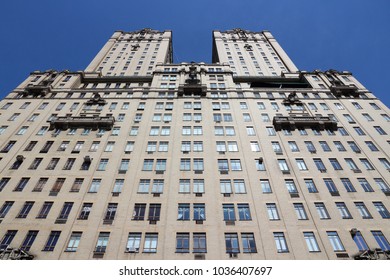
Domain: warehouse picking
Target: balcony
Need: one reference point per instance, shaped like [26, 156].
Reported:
[37, 90]
[346, 90]
[94, 123]
[192, 89]
[292, 122]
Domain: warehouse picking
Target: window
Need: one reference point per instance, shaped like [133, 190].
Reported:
[139, 211]
[183, 211]
[150, 244]
[182, 242]
[352, 164]
[5, 208]
[248, 243]
[8, 147]
[199, 243]
[365, 185]
[310, 147]
[335, 241]
[101, 244]
[102, 164]
[300, 211]
[255, 146]
[359, 241]
[380, 207]
[272, 211]
[148, 165]
[44, 210]
[293, 146]
[380, 130]
[133, 242]
[359, 131]
[231, 242]
[336, 165]
[154, 212]
[95, 185]
[280, 241]
[271, 131]
[325, 147]
[244, 212]
[290, 185]
[382, 185]
[198, 146]
[311, 242]
[381, 240]
[133, 131]
[321, 210]
[385, 163]
[29, 240]
[124, 165]
[235, 164]
[65, 211]
[283, 166]
[330, 185]
[129, 147]
[311, 186]
[22, 184]
[230, 131]
[366, 164]
[52, 241]
[339, 146]
[343, 209]
[301, 164]
[225, 186]
[363, 211]
[85, 211]
[7, 239]
[320, 165]
[111, 211]
[371, 146]
[228, 212]
[74, 241]
[199, 212]
[3, 183]
[265, 186]
[25, 209]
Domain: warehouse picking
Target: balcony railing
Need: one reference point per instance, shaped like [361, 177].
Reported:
[292, 122]
[340, 90]
[192, 89]
[37, 90]
[64, 123]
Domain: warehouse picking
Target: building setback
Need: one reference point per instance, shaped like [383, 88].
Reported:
[247, 157]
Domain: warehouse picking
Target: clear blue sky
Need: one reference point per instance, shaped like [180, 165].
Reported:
[348, 35]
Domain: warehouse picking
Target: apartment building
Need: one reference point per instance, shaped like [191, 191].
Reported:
[246, 157]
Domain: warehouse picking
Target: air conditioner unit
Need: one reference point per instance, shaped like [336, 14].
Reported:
[133, 250]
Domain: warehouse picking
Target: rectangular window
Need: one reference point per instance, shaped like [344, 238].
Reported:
[111, 211]
[101, 244]
[199, 243]
[321, 210]
[335, 241]
[381, 240]
[248, 243]
[361, 207]
[231, 242]
[65, 211]
[25, 209]
[272, 211]
[5, 208]
[311, 186]
[182, 242]
[199, 212]
[133, 242]
[344, 212]
[300, 211]
[52, 241]
[85, 211]
[7, 239]
[150, 244]
[280, 241]
[228, 212]
[74, 241]
[29, 240]
[311, 242]
[359, 241]
[44, 210]
[154, 212]
[95, 185]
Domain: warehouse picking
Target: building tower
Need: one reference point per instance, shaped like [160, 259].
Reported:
[246, 157]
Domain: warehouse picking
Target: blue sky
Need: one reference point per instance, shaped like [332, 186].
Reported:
[348, 35]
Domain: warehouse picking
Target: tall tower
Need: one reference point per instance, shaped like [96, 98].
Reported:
[251, 53]
[133, 53]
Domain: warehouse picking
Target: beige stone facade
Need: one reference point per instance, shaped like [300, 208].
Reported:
[141, 158]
